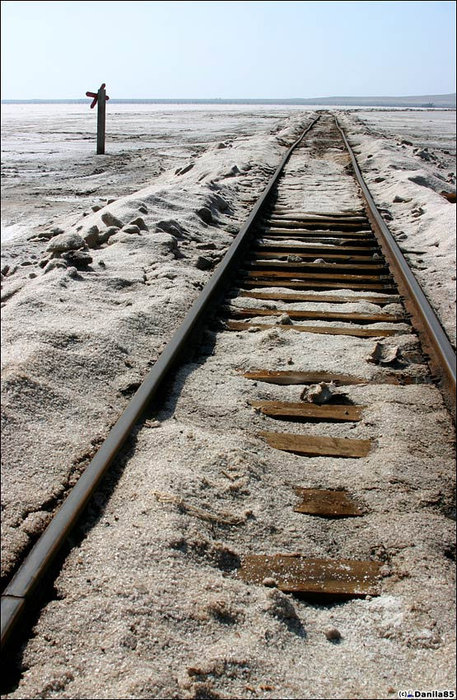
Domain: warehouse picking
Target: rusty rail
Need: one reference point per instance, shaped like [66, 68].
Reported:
[431, 333]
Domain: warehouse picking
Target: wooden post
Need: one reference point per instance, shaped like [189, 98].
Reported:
[101, 119]
[101, 98]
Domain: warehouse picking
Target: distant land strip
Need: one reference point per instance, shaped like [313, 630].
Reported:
[424, 101]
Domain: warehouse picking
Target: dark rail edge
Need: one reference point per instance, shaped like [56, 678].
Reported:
[433, 337]
[19, 592]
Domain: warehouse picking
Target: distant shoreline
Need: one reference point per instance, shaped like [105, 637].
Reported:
[422, 101]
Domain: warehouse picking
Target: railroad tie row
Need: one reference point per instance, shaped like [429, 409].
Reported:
[310, 253]
[296, 573]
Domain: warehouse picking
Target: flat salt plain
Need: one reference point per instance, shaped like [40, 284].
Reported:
[76, 344]
[49, 166]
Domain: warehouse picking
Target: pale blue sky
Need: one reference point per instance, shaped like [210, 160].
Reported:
[227, 49]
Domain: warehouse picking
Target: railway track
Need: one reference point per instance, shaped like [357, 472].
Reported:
[315, 273]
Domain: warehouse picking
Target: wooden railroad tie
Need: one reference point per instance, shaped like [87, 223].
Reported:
[328, 330]
[237, 312]
[316, 284]
[288, 377]
[319, 297]
[327, 503]
[296, 573]
[317, 445]
[309, 411]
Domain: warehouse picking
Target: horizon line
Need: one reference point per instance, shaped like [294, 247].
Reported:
[315, 100]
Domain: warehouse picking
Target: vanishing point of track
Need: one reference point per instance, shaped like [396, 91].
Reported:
[283, 255]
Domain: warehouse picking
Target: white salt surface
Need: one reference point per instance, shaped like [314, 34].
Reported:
[49, 166]
[407, 175]
[161, 612]
[426, 129]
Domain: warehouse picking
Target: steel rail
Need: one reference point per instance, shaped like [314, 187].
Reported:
[19, 593]
[433, 338]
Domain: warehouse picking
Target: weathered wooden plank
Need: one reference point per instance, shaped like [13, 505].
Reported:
[282, 212]
[325, 266]
[363, 244]
[317, 445]
[326, 503]
[322, 223]
[317, 315]
[325, 230]
[295, 573]
[329, 241]
[288, 377]
[293, 377]
[291, 242]
[320, 276]
[309, 411]
[286, 210]
[298, 216]
[317, 284]
[304, 256]
[293, 215]
[317, 233]
[318, 298]
[309, 248]
[323, 330]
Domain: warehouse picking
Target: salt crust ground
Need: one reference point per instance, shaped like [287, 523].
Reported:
[162, 614]
[406, 181]
[75, 344]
